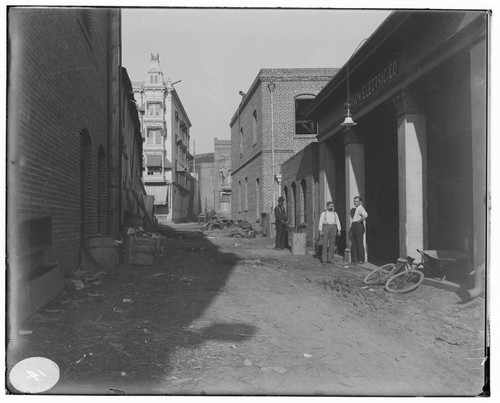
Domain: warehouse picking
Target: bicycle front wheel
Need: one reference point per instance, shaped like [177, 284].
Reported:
[404, 282]
[380, 275]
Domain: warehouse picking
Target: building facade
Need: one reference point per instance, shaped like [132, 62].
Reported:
[165, 130]
[222, 173]
[418, 154]
[300, 183]
[204, 168]
[132, 189]
[213, 171]
[67, 129]
[268, 128]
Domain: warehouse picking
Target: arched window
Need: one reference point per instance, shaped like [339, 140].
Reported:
[287, 199]
[254, 127]
[246, 194]
[241, 141]
[239, 196]
[293, 213]
[86, 189]
[257, 198]
[102, 193]
[303, 204]
[303, 124]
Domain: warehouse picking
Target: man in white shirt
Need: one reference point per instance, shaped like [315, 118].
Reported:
[329, 229]
[358, 216]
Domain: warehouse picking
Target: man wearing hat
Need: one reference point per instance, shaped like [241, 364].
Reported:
[281, 219]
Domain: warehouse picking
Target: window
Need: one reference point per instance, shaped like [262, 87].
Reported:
[239, 196]
[303, 204]
[246, 194]
[257, 198]
[294, 206]
[241, 141]
[254, 127]
[154, 136]
[154, 109]
[302, 124]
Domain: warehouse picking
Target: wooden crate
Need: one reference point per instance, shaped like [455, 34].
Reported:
[143, 251]
[298, 243]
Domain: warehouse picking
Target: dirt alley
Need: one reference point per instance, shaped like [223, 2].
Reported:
[233, 316]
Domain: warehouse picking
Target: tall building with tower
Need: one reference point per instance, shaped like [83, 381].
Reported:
[165, 129]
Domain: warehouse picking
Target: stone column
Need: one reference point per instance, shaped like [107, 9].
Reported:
[354, 178]
[478, 65]
[412, 163]
[327, 174]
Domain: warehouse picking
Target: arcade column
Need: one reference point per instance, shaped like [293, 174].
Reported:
[326, 174]
[412, 163]
[354, 178]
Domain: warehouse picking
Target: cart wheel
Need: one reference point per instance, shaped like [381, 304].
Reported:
[404, 282]
[380, 275]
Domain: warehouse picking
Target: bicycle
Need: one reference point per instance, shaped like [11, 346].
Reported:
[401, 277]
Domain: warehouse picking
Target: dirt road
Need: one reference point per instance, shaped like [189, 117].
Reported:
[233, 316]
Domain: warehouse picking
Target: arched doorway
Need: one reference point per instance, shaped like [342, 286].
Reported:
[85, 184]
[102, 193]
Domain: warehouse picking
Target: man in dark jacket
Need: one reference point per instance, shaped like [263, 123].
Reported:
[281, 220]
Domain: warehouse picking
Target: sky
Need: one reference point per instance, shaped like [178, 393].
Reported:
[218, 52]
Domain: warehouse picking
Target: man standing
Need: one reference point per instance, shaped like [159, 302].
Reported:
[281, 219]
[329, 229]
[358, 216]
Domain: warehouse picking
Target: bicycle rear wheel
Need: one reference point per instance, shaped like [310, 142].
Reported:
[404, 282]
[380, 275]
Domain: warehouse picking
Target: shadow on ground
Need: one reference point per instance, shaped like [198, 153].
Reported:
[119, 335]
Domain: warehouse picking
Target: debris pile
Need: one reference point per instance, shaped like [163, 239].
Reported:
[229, 228]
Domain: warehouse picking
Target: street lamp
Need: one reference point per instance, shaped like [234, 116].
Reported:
[271, 87]
[348, 121]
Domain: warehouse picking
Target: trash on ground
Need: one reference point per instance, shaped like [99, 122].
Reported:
[279, 370]
[77, 284]
[453, 343]
[247, 362]
[127, 300]
[307, 355]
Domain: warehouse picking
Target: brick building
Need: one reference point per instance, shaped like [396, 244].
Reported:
[418, 154]
[222, 173]
[300, 183]
[213, 171]
[66, 127]
[267, 129]
[165, 129]
[204, 168]
[132, 188]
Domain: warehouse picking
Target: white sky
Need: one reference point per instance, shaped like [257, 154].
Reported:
[218, 52]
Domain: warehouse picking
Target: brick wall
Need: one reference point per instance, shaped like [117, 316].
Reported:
[59, 80]
[255, 160]
[301, 172]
